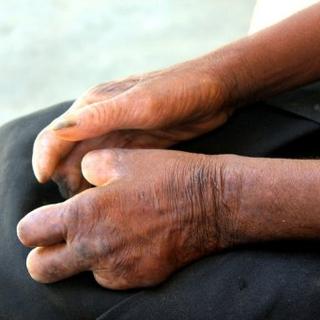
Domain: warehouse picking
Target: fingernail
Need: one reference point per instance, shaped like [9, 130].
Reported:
[63, 124]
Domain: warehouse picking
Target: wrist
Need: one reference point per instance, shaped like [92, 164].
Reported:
[271, 199]
[229, 67]
[221, 194]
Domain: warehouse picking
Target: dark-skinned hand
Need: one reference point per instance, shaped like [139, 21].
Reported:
[154, 110]
[151, 212]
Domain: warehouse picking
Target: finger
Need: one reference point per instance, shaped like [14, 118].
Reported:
[44, 226]
[48, 150]
[121, 112]
[102, 167]
[54, 263]
[68, 175]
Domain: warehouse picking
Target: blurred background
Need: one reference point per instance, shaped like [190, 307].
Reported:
[53, 50]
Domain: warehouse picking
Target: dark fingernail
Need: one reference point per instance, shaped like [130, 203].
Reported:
[63, 124]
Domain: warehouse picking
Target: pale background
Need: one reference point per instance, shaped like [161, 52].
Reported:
[53, 50]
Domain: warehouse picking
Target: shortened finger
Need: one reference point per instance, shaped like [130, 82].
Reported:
[48, 150]
[101, 167]
[43, 226]
[125, 111]
[54, 263]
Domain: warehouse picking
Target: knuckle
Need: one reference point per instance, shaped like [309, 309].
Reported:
[84, 251]
[95, 93]
[97, 113]
[71, 216]
[109, 282]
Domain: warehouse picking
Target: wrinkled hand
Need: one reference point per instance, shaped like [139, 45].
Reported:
[152, 212]
[154, 110]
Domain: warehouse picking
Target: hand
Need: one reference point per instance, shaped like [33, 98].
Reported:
[152, 212]
[154, 110]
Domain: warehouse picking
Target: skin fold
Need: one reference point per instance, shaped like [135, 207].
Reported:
[134, 216]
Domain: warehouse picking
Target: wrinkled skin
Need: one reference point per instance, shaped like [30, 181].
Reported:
[151, 212]
[154, 110]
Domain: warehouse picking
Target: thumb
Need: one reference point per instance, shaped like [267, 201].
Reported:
[101, 167]
[121, 112]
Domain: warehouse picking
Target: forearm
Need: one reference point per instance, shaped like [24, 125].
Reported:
[274, 60]
[270, 199]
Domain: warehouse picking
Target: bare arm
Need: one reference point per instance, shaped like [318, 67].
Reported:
[281, 57]
[271, 199]
[153, 211]
[180, 102]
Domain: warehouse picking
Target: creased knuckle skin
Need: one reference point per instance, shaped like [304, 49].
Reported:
[97, 114]
[93, 94]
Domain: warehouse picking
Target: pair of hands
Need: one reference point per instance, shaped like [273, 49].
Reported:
[150, 211]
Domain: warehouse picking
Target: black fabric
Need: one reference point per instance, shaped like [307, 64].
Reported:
[304, 102]
[271, 281]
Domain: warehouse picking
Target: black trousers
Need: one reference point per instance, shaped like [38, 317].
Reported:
[267, 281]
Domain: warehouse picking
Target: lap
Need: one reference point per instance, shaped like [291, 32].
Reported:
[274, 281]
[20, 296]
